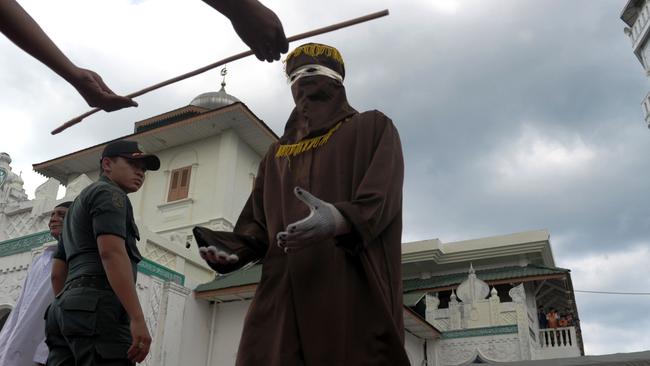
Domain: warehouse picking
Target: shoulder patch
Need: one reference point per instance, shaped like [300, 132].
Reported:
[118, 200]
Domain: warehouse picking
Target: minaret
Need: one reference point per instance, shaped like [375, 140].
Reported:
[11, 193]
[11, 184]
[636, 15]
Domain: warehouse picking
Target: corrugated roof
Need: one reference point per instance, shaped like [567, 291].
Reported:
[413, 298]
[252, 276]
[486, 275]
[418, 326]
[413, 322]
[244, 277]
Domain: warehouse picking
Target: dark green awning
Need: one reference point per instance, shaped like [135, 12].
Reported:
[412, 287]
[487, 275]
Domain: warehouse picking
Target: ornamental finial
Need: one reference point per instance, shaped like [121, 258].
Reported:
[224, 72]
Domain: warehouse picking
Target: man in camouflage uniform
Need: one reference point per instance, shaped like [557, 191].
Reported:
[97, 318]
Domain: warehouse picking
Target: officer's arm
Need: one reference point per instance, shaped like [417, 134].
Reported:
[117, 265]
[59, 274]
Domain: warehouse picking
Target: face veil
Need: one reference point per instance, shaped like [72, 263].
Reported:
[315, 73]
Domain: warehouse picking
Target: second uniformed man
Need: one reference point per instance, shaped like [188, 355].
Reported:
[97, 318]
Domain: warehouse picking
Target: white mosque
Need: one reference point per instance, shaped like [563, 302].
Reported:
[465, 302]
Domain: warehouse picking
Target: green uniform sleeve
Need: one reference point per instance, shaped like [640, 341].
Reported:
[107, 207]
[60, 251]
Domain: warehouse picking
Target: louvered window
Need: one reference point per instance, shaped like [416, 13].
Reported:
[179, 186]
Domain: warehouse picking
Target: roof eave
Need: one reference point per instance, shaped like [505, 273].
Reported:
[42, 168]
[628, 14]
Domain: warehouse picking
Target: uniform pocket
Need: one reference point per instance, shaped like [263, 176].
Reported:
[79, 316]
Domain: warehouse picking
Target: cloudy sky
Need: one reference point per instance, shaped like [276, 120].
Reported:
[514, 115]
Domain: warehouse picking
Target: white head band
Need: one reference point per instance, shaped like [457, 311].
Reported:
[312, 70]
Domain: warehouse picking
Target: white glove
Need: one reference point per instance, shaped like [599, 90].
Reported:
[213, 255]
[323, 222]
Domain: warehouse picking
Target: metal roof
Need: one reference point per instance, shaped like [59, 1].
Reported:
[411, 299]
[240, 285]
[487, 275]
[212, 100]
[616, 359]
[252, 276]
[418, 326]
[239, 278]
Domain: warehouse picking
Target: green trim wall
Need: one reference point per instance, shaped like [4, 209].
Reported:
[32, 241]
[24, 243]
[154, 269]
[480, 332]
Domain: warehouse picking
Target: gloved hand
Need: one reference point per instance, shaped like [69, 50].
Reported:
[323, 222]
[213, 255]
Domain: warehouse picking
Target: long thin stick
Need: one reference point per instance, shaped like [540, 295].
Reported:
[238, 56]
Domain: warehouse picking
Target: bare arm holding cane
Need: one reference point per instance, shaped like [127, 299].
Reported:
[257, 26]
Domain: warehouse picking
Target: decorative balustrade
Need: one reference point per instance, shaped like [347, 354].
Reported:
[638, 29]
[558, 337]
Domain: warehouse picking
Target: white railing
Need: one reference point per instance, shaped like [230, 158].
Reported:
[558, 338]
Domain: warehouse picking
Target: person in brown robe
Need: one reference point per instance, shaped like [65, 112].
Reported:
[325, 219]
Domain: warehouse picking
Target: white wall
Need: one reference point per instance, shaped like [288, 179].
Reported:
[228, 326]
[150, 203]
[13, 270]
[195, 332]
[499, 348]
[219, 185]
[414, 349]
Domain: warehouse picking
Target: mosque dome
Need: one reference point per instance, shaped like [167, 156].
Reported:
[5, 157]
[213, 100]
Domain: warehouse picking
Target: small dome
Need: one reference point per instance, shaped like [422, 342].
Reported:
[213, 100]
[5, 157]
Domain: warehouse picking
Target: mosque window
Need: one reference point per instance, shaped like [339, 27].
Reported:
[179, 186]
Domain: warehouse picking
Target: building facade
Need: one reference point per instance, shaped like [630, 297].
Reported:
[636, 15]
[464, 302]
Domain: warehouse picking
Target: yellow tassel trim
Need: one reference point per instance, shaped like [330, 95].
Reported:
[315, 50]
[305, 145]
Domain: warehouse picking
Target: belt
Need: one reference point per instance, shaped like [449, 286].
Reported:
[97, 282]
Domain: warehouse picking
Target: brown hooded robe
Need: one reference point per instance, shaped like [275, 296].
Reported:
[337, 302]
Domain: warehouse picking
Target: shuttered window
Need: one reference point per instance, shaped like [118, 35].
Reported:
[179, 186]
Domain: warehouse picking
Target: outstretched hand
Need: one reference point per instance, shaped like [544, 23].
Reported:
[97, 94]
[260, 28]
[323, 222]
[213, 255]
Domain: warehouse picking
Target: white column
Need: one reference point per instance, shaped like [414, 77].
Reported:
[518, 296]
[432, 303]
[168, 332]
